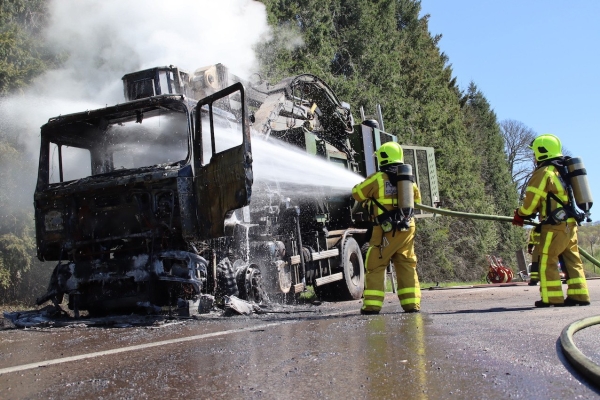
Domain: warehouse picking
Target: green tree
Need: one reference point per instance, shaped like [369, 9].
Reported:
[15, 260]
[17, 244]
[500, 191]
[23, 56]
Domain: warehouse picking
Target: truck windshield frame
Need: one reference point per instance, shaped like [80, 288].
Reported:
[114, 142]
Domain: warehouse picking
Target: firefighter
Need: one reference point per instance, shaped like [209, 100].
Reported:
[393, 234]
[547, 194]
[532, 249]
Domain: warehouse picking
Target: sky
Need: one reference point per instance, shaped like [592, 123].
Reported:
[535, 61]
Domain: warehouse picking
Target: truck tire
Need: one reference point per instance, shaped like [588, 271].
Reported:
[353, 284]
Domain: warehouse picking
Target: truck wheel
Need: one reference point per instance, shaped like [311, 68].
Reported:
[249, 283]
[354, 271]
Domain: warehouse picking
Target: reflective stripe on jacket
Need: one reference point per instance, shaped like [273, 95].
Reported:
[379, 187]
[545, 179]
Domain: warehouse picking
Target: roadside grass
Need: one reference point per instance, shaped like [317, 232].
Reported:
[427, 285]
[309, 295]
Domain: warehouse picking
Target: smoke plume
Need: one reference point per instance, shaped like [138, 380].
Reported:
[102, 40]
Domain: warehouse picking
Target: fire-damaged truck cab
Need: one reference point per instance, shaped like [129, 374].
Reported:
[123, 192]
[153, 202]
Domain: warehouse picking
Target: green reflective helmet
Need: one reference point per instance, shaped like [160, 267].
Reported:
[390, 153]
[546, 146]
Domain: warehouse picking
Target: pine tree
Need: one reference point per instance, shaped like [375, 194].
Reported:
[23, 56]
[483, 129]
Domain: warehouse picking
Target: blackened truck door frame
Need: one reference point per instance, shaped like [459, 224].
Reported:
[225, 183]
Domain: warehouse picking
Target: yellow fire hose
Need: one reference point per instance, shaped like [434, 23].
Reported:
[500, 218]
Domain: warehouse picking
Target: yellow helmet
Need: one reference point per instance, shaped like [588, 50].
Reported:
[390, 153]
[546, 146]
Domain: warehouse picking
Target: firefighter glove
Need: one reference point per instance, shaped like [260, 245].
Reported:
[517, 219]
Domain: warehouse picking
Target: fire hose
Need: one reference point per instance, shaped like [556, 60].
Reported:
[500, 218]
[581, 363]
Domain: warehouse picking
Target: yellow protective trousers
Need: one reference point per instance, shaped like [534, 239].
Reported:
[534, 271]
[561, 240]
[398, 248]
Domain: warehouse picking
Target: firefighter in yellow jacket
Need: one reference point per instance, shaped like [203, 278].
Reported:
[547, 195]
[393, 236]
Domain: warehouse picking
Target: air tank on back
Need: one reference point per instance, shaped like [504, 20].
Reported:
[579, 183]
[406, 195]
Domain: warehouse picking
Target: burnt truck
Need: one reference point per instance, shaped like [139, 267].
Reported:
[152, 202]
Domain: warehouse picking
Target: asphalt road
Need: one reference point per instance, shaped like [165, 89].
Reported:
[484, 343]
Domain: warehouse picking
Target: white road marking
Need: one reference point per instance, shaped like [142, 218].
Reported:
[79, 357]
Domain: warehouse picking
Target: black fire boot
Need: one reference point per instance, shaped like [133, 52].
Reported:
[541, 304]
[569, 302]
[368, 312]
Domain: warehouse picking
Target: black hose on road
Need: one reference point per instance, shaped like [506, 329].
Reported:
[577, 359]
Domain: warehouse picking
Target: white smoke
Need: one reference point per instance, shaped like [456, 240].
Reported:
[103, 40]
[108, 38]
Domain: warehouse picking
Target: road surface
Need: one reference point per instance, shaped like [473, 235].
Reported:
[484, 343]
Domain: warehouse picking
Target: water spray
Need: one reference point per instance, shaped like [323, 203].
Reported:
[487, 217]
[274, 160]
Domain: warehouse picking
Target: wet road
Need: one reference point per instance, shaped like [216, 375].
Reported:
[467, 343]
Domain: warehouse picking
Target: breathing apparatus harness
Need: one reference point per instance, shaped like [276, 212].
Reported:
[391, 220]
[396, 218]
[565, 210]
